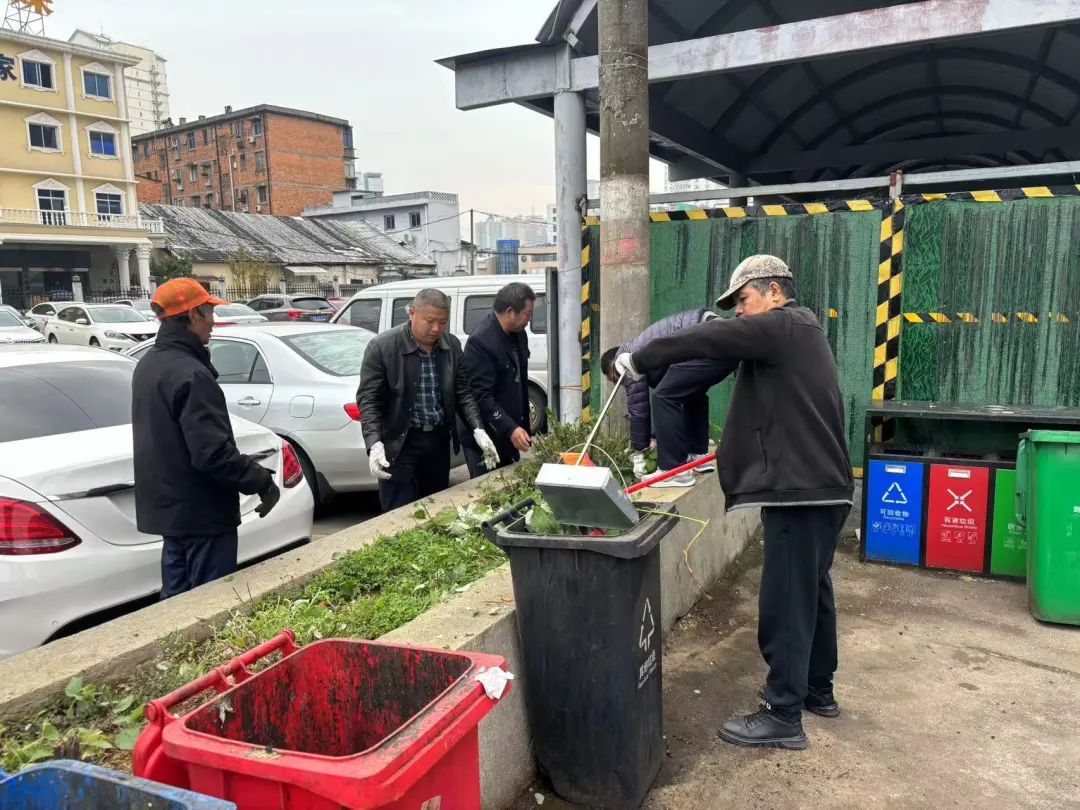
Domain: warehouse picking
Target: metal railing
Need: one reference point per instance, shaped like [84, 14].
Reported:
[79, 219]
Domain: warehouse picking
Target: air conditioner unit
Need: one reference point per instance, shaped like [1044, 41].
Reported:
[234, 165]
[258, 209]
[251, 139]
[409, 239]
[179, 186]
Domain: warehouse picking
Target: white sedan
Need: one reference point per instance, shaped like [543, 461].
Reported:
[104, 326]
[299, 379]
[13, 328]
[68, 543]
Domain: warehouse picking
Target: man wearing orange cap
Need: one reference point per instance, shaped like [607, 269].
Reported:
[188, 471]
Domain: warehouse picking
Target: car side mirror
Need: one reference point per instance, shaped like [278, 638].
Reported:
[82, 322]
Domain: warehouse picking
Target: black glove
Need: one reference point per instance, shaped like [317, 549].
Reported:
[269, 498]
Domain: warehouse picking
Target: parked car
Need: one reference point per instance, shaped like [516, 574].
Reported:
[41, 313]
[106, 326]
[140, 305]
[292, 307]
[229, 314]
[384, 306]
[13, 328]
[299, 380]
[23, 317]
[68, 543]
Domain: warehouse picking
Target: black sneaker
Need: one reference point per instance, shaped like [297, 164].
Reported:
[764, 729]
[820, 703]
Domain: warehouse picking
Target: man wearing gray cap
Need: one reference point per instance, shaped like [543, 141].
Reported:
[784, 450]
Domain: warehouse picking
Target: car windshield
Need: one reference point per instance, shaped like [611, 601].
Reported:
[340, 352]
[310, 303]
[49, 399]
[7, 319]
[233, 311]
[116, 315]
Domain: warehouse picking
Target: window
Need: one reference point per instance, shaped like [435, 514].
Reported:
[337, 353]
[350, 183]
[191, 140]
[209, 201]
[146, 152]
[538, 326]
[365, 313]
[49, 399]
[38, 74]
[260, 161]
[238, 129]
[52, 203]
[388, 222]
[102, 144]
[237, 363]
[414, 219]
[193, 172]
[477, 308]
[97, 85]
[348, 137]
[44, 309]
[109, 204]
[262, 195]
[242, 196]
[400, 313]
[243, 161]
[256, 127]
[206, 136]
[45, 137]
[311, 304]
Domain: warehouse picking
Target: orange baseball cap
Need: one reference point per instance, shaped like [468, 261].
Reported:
[182, 295]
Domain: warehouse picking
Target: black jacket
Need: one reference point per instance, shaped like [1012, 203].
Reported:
[188, 472]
[784, 442]
[498, 368]
[389, 378]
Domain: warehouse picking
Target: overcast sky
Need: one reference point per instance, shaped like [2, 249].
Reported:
[369, 61]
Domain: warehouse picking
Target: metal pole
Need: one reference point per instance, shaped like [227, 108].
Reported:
[472, 242]
[624, 170]
[570, 184]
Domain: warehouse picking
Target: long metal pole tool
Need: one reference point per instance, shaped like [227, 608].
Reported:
[600, 419]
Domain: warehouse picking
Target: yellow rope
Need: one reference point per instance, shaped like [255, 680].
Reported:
[686, 551]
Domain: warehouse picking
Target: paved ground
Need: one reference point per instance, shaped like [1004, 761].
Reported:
[951, 695]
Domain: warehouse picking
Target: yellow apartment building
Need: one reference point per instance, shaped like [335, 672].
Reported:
[69, 218]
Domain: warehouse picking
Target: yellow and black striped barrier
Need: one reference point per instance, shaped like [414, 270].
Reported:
[586, 320]
[995, 317]
[887, 315]
[996, 196]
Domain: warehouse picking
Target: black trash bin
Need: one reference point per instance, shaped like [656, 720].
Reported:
[588, 611]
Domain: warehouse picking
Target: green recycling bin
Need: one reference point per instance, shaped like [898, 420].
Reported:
[1048, 510]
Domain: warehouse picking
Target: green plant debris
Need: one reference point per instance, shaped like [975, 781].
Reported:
[364, 594]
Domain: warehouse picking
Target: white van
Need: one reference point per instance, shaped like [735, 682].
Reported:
[384, 306]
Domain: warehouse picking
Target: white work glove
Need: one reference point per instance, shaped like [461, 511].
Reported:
[487, 447]
[624, 364]
[639, 465]
[377, 463]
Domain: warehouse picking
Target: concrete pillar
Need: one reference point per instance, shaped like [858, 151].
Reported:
[570, 184]
[123, 254]
[142, 253]
[624, 173]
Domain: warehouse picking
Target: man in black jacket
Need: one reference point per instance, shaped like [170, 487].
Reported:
[784, 450]
[497, 362]
[188, 472]
[412, 386]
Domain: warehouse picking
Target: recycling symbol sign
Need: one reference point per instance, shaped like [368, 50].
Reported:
[894, 495]
[648, 627]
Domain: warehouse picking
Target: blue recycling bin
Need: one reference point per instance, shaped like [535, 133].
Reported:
[64, 783]
[893, 510]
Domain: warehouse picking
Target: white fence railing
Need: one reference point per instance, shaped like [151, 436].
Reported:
[79, 219]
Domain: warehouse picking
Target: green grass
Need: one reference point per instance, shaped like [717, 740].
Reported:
[363, 594]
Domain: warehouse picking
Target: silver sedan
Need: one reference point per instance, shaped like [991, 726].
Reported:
[299, 380]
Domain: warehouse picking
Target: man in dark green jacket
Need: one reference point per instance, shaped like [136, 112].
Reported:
[784, 450]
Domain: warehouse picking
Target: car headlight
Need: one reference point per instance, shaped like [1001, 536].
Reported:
[118, 336]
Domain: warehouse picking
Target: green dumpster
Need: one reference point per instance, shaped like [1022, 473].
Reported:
[1048, 510]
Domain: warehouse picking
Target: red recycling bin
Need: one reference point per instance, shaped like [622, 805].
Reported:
[956, 517]
[335, 724]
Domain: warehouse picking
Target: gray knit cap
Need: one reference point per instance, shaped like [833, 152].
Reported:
[750, 269]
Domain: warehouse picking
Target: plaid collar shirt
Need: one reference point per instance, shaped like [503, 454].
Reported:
[428, 408]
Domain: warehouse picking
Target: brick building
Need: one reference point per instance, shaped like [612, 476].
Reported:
[264, 159]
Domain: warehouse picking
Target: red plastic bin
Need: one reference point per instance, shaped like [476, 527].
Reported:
[335, 724]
